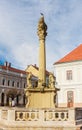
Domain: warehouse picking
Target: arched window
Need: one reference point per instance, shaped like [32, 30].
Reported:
[13, 83]
[8, 82]
[3, 81]
[24, 85]
[70, 98]
[17, 84]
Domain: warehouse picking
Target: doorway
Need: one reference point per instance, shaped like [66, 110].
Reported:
[70, 98]
[2, 99]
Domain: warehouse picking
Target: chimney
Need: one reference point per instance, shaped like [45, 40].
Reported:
[7, 64]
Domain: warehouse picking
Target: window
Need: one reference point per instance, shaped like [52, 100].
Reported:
[13, 83]
[3, 81]
[70, 98]
[8, 82]
[69, 74]
[17, 84]
[24, 85]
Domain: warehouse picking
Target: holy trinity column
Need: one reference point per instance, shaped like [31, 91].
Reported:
[42, 33]
[42, 95]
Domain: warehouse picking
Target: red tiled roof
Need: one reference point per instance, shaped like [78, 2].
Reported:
[74, 55]
[13, 69]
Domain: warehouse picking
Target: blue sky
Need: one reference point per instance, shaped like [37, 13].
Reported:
[19, 42]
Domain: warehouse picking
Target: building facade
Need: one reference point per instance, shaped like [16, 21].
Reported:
[13, 81]
[68, 71]
[12, 84]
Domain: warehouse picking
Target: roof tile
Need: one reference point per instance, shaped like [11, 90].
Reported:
[74, 55]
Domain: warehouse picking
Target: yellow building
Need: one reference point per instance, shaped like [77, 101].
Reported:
[35, 72]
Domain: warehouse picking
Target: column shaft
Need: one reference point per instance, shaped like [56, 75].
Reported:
[42, 61]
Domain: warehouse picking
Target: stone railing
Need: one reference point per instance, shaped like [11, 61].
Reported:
[31, 115]
[46, 115]
[42, 116]
[56, 115]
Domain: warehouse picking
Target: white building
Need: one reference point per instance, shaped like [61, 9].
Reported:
[68, 72]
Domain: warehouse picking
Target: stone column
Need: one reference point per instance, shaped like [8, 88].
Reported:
[42, 28]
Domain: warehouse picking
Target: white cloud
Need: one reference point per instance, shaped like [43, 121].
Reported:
[18, 29]
[25, 54]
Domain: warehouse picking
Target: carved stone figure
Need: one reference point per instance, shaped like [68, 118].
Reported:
[39, 83]
[51, 81]
[29, 84]
[28, 98]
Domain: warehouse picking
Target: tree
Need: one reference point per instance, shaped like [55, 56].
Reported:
[12, 93]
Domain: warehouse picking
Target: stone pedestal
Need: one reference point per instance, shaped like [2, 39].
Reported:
[41, 98]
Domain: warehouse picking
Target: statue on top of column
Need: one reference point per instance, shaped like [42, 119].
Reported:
[42, 28]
